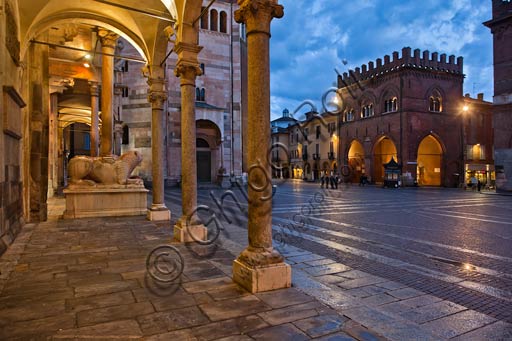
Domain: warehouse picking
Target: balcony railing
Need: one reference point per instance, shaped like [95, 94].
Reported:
[316, 156]
[305, 156]
[331, 156]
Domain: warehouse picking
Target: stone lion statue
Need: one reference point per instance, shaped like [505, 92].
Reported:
[107, 170]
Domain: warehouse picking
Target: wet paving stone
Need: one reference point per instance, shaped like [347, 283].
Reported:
[32, 311]
[105, 288]
[457, 324]
[328, 269]
[291, 313]
[231, 308]
[34, 329]
[208, 284]
[389, 326]
[496, 331]
[336, 337]
[124, 329]
[321, 325]
[432, 311]
[112, 313]
[233, 327]
[99, 301]
[284, 297]
[279, 333]
[380, 299]
[161, 322]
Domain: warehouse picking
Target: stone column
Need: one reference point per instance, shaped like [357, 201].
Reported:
[118, 137]
[188, 228]
[259, 267]
[95, 135]
[157, 97]
[108, 43]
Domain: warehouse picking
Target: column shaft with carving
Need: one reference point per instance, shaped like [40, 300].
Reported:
[95, 134]
[188, 228]
[157, 97]
[108, 42]
[259, 267]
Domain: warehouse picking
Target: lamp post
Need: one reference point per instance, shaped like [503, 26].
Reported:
[465, 109]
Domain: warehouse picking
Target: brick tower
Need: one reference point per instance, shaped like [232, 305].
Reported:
[501, 29]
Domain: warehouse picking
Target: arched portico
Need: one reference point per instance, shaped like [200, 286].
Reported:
[430, 161]
[149, 35]
[356, 157]
[383, 151]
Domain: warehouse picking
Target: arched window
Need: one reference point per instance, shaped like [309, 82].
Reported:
[214, 18]
[223, 22]
[126, 135]
[349, 115]
[367, 110]
[435, 102]
[391, 104]
[204, 19]
[203, 95]
[198, 94]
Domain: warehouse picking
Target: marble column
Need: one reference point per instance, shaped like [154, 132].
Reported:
[108, 43]
[95, 134]
[157, 97]
[188, 228]
[259, 267]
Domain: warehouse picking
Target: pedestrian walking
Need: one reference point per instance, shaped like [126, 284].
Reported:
[332, 180]
[479, 185]
[322, 179]
[336, 181]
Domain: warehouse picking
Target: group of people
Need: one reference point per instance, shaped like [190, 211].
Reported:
[332, 179]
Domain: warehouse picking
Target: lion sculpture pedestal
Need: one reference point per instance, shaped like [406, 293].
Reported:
[102, 187]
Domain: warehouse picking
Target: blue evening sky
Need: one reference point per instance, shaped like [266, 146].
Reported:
[314, 37]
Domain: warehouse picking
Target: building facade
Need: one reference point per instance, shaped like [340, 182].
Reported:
[501, 29]
[408, 107]
[218, 100]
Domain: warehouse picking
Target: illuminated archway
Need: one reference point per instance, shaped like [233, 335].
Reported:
[356, 160]
[430, 158]
[383, 151]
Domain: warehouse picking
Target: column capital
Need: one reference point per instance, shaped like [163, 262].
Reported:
[94, 88]
[157, 98]
[187, 72]
[107, 38]
[257, 14]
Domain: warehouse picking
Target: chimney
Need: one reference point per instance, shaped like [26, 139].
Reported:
[480, 96]
[386, 59]
[370, 65]
[379, 62]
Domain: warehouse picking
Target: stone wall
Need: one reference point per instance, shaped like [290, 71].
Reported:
[11, 131]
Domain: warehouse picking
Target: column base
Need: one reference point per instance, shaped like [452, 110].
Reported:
[159, 213]
[185, 233]
[264, 278]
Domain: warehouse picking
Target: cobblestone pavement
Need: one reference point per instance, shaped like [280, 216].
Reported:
[87, 279]
[408, 263]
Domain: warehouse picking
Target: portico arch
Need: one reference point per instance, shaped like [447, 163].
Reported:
[209, 149]
[430, 160]
[356, 162]
[383, 151]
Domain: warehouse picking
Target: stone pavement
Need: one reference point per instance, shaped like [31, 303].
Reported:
[87, 279]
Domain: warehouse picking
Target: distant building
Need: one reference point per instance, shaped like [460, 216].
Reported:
[501, 29]
[220, 102]
[409, 108]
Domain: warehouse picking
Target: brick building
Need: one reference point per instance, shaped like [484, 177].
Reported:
[219, 102]
[408, 107]
[501, 29]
